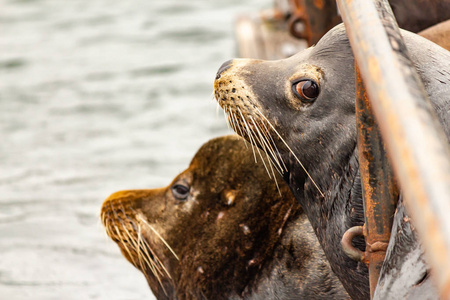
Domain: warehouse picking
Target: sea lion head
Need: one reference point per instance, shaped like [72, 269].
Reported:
[289, 104]
[210, 231]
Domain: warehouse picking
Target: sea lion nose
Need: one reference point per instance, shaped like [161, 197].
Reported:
[225, 66]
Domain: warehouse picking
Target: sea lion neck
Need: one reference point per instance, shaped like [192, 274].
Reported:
[333, 209]
[331, 216]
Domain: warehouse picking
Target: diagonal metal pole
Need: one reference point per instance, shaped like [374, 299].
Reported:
[415, 142]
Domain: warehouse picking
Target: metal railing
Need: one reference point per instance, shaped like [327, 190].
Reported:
[415, 141]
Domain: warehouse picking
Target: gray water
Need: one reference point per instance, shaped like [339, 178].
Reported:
[97, 96]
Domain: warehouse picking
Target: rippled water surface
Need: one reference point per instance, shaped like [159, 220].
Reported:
[97, 96]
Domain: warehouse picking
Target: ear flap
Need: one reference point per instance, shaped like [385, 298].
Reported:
[228, 196]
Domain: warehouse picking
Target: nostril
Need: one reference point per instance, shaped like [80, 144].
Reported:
[225, 66]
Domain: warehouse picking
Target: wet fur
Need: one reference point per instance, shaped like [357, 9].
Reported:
[237, 236]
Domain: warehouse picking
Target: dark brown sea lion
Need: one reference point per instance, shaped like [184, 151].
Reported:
[417, 15]
[301, 112]
[221, 230]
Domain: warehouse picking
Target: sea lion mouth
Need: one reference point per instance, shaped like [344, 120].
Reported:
[127, 226]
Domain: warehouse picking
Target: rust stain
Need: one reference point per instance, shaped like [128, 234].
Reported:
[379, 193]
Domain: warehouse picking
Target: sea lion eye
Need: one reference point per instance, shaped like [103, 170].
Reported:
[180, 192]
[307, 90]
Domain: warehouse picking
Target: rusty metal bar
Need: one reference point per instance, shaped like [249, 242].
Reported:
[415, 141]
[380, 192]
[311, 19]
[350, 250]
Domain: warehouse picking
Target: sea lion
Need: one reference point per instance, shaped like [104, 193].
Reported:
[221, 230]
[301, 112]
[439, 34]
[418, 15]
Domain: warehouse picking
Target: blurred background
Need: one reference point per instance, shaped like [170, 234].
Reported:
[97, 96]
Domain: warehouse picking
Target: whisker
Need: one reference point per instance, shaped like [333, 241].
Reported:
[159, 236]
[249, 135]
[135, 245]
[217, 110]
[145, 247]
[236, 127]
[303, 167]
[270, 145]
[227, 118]
[236, 124]
[139, 246]
[275, 145]
[256, 137]
[124, 246]
[152, 266]
[105, 221]
[231, 121]
[267, 147]
[156, 257]
[253, 142]
[142, 257]
[262, 141]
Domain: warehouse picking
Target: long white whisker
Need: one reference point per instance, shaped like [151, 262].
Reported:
[131, 239]
[145, 247]
[258, 137]
[259, 152]
[274, 144]
[155, 264]
[217, 110]
[136, 243]
[156, 257]
[267, 148]
[303, 167]
[241, 129]
[262, 141]
[120, 235]
[231, 121]
[143, 258]
[125, 246]
[153, 267]
[227, 118]
[236, 124]
[252, 142]
[159, 236]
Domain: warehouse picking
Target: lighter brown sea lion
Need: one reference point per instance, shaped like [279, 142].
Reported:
[439, 34]
[221, 230]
